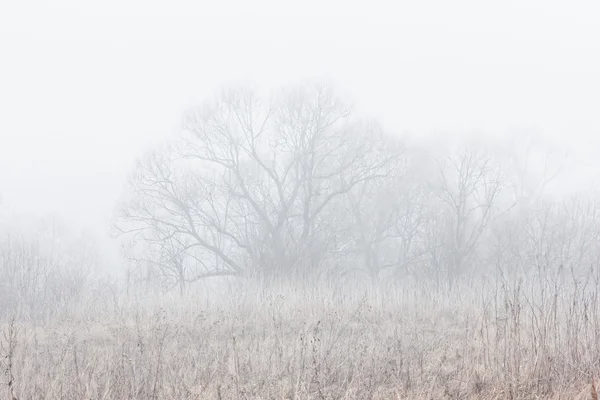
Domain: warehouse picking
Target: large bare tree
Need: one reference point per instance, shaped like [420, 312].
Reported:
[252, 185]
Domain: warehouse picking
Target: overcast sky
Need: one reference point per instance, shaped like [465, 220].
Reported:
[86, 87]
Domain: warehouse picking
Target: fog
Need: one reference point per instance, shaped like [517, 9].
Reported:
[145, 158]
[86, 89]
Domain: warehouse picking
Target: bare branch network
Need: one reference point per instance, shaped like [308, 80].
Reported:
[296, 185]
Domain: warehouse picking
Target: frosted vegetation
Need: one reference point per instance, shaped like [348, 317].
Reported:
[283, 246]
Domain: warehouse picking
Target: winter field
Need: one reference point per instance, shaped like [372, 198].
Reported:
[527, 339]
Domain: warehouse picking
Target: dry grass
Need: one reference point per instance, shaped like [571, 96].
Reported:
[536, 340]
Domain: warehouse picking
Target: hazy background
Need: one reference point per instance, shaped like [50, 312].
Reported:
[85, 88]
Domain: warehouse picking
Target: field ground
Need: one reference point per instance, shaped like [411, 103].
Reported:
[520, 341]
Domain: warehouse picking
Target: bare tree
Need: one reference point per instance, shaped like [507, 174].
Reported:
[553, 239]
[530, 165]
[468, 185]
[250, 184]
[389, 215]
[43, 270]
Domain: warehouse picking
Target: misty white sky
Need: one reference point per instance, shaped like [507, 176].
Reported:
[86, 86]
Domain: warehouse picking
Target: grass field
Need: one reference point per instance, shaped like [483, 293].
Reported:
[536, 339]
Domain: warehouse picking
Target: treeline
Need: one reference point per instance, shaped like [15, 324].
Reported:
[297, 186]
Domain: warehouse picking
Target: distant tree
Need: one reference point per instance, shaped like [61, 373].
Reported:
[252, 186]
[467, 185]
[554, 235]
[530, 164]
[389, 216]
[41, 271]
